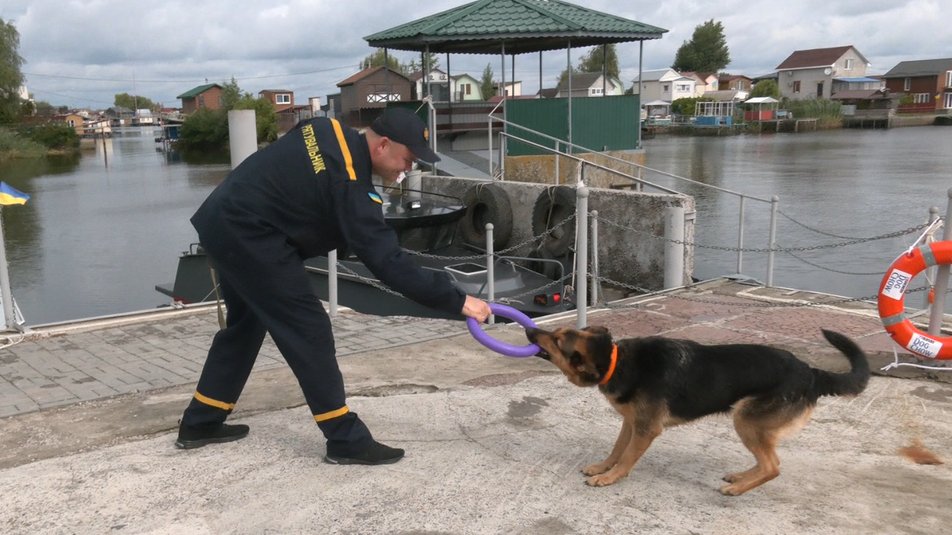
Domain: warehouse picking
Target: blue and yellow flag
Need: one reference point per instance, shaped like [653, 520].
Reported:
[10, 195]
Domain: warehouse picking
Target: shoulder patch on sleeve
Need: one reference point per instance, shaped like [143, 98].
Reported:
[374, 197]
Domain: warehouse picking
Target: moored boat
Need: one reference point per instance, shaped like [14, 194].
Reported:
[426, 225]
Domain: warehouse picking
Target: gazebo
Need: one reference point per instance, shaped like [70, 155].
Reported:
[761, 109]
[515, 27]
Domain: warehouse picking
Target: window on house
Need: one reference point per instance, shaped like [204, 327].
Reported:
[907, 84]
[665, 88]
[282, 98]
[796, 86]
[922, 98]
[947, 103]
[849, 64]
[948, 78]
[468, 88]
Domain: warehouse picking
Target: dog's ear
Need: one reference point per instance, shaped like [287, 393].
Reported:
[596, 329]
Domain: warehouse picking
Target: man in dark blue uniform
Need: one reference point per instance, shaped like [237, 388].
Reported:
[306, 194]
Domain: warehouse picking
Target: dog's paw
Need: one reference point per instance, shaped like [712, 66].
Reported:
[602, 480]
[732, 478]
[595, 469]
[732, 490]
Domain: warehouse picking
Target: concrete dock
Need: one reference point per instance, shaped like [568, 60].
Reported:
[88, 414]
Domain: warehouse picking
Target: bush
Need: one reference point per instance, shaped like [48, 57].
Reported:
[826, 112]
[208, 129]
[56, 136]
[13, 145]
[687, 106]
[204, 130]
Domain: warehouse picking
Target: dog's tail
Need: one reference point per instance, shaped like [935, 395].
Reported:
[850, 383]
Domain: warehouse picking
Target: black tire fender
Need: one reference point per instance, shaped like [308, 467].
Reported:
[553, 206]
[486, 203]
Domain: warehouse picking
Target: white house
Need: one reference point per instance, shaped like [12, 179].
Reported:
[439, 86]
[513, 89]
[664, 84]
[465, 87]
[810, 73]
[589, 84]
[703, 82]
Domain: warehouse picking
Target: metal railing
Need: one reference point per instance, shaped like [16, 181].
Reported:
[637, 178]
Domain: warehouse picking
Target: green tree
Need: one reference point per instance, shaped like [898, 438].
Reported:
[594, 60]
[11, 79]
[230, 94]
[266, 120]
[134, 102]
[766, 88]
[486, 84]
[376, 59]
[706, 51]
[600, 56]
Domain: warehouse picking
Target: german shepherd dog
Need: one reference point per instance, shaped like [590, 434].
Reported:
[656, 382]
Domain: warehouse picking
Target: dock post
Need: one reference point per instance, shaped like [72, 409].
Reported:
[673, 247]
[941, 278]
[772, 243]
[581, 255]
[596, 279]
[242, 135]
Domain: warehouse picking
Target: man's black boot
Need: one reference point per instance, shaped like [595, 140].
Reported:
[197, 436]
[375, 453]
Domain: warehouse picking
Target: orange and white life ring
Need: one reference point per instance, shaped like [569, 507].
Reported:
[892, 293]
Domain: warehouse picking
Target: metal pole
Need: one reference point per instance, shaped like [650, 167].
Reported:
[673, 246]
[596, 277]
[740, 237]
[332, 282]
[6, 294]
[933, 215]
[489, 131]
[941, 278]
[581, 254]
[641, 53]
[568, 61]
[490, 270]
[774, 202]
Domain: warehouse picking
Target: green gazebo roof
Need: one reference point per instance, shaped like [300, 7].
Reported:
[481, 27]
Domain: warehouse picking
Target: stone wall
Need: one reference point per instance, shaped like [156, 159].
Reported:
[633, 257]
[542, 169]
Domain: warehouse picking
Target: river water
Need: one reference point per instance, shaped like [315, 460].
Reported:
[102, 229]
[834, 186]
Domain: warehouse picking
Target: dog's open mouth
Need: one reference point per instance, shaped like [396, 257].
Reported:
[543, 354]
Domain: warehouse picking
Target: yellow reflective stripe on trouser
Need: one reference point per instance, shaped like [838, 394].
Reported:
[323, 417]
[344, 149]
[214, 402]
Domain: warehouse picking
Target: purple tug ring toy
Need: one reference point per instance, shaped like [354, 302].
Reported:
[499, 346]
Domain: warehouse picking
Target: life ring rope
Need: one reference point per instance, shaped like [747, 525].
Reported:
[891, 300]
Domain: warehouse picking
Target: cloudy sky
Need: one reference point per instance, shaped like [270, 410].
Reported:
[80, 53]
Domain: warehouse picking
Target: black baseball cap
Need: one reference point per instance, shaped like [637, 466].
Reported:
[405, 127]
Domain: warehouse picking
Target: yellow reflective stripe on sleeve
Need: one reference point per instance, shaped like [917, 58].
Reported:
[344, 149]
[214, 402]
[331, 415]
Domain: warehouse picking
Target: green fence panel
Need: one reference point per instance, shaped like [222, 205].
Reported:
[598, 123]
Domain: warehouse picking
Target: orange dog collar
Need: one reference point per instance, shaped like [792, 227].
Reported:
[611, 366]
